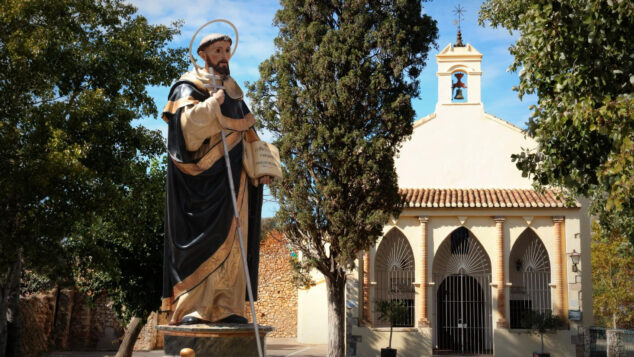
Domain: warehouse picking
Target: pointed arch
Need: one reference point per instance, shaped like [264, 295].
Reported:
[394, 252]
[394, 274]
[460, 253]
[529, 274]
[461, 272]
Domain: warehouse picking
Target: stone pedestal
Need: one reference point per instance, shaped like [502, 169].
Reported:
[213, 340]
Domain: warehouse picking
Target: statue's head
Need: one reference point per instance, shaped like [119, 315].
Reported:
[215, 50]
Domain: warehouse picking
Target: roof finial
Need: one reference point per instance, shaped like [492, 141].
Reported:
[459, 11]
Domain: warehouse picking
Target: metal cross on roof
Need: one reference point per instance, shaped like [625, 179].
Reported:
[459, 12]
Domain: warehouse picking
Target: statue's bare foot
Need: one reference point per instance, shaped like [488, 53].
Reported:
[233, 319]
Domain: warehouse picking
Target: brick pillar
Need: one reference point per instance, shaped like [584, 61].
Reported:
[558, 267]
[367, 317]
[424, 319]
[500, 280]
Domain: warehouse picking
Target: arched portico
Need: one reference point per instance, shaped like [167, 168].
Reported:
[530, 277]
[394, 274]
[462, 315]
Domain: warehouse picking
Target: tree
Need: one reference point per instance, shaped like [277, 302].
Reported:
[120, 250]
[337, 95]
[73, 80]
[541, 322]
[577, 57]
[392, 311]
[612, 283]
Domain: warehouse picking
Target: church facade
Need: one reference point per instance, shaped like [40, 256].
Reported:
[476, 252]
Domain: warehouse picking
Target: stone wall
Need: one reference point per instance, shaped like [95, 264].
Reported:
[67, 320]
[36, 321]
[277, 295]
[149, 338]
[78, 323]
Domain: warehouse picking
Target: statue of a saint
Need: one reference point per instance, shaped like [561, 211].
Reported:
[203, 278]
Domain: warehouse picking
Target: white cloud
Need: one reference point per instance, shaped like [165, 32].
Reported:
[253, 19]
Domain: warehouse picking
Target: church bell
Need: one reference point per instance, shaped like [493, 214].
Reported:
[458, 95]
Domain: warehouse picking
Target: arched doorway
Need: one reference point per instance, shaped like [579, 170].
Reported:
[462, 270]
[394, 274]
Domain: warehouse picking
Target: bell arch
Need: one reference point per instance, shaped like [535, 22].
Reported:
[529, 274]
[460, 68]
[459, 81]
[394, 275]
[462, 318]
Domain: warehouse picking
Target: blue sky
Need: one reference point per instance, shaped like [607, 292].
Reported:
[256, 33]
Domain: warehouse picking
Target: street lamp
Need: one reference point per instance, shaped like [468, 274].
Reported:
[575, 257]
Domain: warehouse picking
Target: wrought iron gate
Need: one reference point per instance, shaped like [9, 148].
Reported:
[462, 320]
[464, 315]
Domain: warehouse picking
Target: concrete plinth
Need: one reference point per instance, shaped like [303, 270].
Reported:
[213, 340]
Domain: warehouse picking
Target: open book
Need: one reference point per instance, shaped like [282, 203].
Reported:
[262, 159]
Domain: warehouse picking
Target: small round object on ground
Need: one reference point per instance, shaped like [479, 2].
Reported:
[188, 352]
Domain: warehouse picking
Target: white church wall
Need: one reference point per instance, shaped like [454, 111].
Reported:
[312, 312]
[462, 148]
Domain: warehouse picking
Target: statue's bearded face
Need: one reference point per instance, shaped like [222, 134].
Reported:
[217, 56]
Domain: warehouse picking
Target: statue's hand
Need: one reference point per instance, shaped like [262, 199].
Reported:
[220, 96]
[266, 180]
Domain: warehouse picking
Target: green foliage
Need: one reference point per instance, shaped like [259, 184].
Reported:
[300, 273]
[32, 282]
[541, 322]
[121, 250]
[577, 57]
[612, 279]
[392, 311]
[73, 80]
[337, 96]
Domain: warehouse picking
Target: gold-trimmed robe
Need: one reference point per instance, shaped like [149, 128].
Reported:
[203, 273]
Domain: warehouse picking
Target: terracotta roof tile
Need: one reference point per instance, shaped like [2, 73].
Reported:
[486, 198]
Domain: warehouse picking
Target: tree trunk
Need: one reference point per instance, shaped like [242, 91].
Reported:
[129, 339]
[9, 298]
[4, 307]
[336, 315]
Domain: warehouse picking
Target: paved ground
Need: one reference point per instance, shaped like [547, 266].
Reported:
[275, 347]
